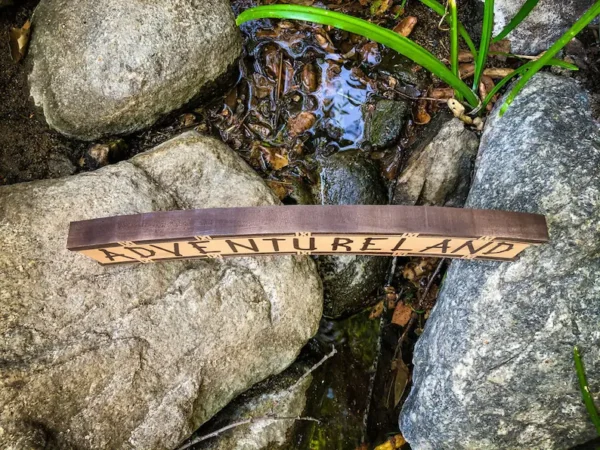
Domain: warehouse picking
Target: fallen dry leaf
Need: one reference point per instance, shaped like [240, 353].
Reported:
[391, 296]
[422, 117]
[18, 40]
[415, 270]
[466, 70]
[442, 93]
[497, 72]
[325, 43]
[279, 188]
[485, 86]
[406, 25]
[276, 157]
[400, 380]
[500, 49]
[377, 311]
[301, 123]
[309, 78]
[402, 314]
[259, 130]
[378, 7]
[392, 443]
[465, 56]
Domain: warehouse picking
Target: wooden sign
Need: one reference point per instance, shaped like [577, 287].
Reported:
[308, 230]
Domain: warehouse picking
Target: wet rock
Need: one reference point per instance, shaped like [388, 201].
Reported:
[494, 367]
[384, 123]
[60, 166]
[439, 169]
[547, 22]
[279, 396]
[138, 356]
[349, 178]
[114, 67]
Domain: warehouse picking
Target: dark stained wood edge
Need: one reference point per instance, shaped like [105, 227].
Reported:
[430, 255]
[286, 220]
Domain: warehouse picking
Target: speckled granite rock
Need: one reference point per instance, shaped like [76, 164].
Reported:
[137, 357]
[439, 169]
[545, 24]
[280, 397]
[349, 178]
[114, 67]
[494, 367]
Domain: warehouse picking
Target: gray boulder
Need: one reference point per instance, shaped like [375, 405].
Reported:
[349, 178]
[543, 26]
[138, 356]
[114, 67]
[494, 367]
[439, 169]
[384, 122]
[280, 396]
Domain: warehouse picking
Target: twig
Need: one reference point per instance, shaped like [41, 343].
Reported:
[313, 368]
[402, 94]
[372, 378]
[414, 316]
[244, 422]
[278, 91]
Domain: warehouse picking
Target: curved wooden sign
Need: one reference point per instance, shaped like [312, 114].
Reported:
[308, 230]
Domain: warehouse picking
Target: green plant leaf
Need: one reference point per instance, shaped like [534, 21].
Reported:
[486, 38]
[454, 42]
[585, 390]
[369, 30]
[536, 65]
[439, 9]
[519, 17]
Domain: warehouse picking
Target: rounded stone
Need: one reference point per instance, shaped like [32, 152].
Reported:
[107, 67]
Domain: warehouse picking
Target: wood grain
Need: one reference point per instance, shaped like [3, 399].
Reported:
[256, 222]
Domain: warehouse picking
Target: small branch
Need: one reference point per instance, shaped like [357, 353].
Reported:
[265, 418]
[244, 422]
[313, 368]
[414, 315]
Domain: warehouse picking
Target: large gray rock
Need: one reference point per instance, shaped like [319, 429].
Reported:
[547, 22]
[114, 67]
[494, 367]
[280, 396]
[349, 178]
[439, 169]
[138, 356]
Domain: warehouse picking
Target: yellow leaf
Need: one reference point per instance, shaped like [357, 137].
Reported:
[18, 39]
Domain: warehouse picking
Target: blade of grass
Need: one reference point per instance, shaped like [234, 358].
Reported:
[519, 17]
[583, 21]
[524, 68]
[439, 9]
[486, 38]
[369, 30]
[454, 42]
[585, 390]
